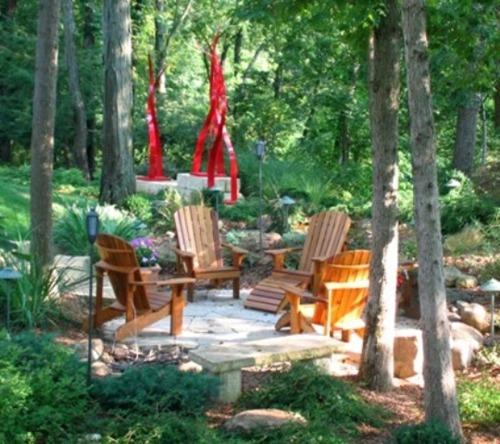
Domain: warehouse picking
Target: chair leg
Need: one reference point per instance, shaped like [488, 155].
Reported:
[190, 292]
[176, 310]
[283, 321]
[236, 288]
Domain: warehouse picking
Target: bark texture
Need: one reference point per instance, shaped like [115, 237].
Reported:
[80, 142]
[42, 136]
[118, 179]
[465, 138]
[377, 363]
[440, 391]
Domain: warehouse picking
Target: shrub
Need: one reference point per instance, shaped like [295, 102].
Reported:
[156, 388]
[44, 396]
[321, 398]
[424, 433]
[141, 206]
[163, 213]
[70, 233]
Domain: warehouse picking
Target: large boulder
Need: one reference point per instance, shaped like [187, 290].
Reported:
[408, 353]
[451, 274]
[474, 314]
[466, 340]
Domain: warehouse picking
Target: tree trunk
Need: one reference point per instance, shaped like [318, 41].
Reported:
[89, 42]
[440, 391]
[377, 362]
[80, 142]
[465, 137]
[118, 179]
[42, 136]
[160, 36]
[496, 100]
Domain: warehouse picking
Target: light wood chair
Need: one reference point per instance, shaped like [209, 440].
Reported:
[137, 298]
[325, 239]
[200, 250]
[339, 302]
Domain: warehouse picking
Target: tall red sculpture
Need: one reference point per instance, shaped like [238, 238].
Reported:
[155, 150]
[215, 129]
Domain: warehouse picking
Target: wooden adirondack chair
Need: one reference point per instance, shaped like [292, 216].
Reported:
[136, 297]
[199, 249]
[325, 238]
[339, 303]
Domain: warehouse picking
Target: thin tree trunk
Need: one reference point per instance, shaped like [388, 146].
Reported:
[118, 179]
[89, 42]
[80, 142]
[496, 101]
[440, 391]
[465, 137]
[377, 362]
[160, 36]
[42, 137]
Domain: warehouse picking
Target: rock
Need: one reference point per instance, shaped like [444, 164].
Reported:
[466, 340]
[451, 274]
[408, 353]
[474, 315]
[100, 369]
[453, 295]
[262, 419]
[191, 367]
[466, 281]
[82, 347]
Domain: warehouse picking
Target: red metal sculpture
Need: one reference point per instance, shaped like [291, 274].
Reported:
[215, 128]
[155, 150]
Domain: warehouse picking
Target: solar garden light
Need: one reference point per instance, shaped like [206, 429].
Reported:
[260, 150]
[491, 286]
[8, 274]
[287, 202]
[92, 227]
[452, 184]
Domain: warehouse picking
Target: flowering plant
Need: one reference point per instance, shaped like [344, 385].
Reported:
[145, 251]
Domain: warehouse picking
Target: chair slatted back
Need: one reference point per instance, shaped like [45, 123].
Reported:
[326, 236]
[197, 231]
[120, 263]
[348, 304]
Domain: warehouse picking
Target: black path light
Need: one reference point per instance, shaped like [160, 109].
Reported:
[491, 286]
[8, 274]
[92, 226]
[260, 150]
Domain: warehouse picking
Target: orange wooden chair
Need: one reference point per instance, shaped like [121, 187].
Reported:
[200, 250]
[136, 297]
[339, 302]
[325, 238]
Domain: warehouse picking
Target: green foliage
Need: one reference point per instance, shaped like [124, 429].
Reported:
[70, 233]
[155, 389]
[141, 206]
[163, 212]
[424, 433]
[322, 399]
[43, 391]
[462, 206]
[479, 401]
[34, 296]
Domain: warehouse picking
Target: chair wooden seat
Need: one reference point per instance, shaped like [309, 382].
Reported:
[338, 303]
[325, 238]
[139, 300]
[200, 250]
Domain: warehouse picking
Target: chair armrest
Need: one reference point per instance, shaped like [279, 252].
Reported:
[237, 254]
[183, 254]
[330, 286]
[278, 256]
[173, 281]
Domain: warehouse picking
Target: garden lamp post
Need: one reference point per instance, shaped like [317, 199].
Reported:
[491, 286]
[92, 227]
[287, 202]
[8, 274]
[260, 151]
